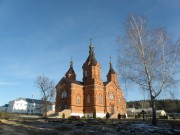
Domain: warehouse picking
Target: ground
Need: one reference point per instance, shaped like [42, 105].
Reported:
[36, 126]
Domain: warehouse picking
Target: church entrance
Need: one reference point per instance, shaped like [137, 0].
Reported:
[112, 109]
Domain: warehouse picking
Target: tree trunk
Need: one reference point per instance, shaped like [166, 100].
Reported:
[45, 111]
[45, 108]
[153, 105]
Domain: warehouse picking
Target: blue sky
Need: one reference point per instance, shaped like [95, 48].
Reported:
[40, 36]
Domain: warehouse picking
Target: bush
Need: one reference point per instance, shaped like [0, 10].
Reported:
[63, 115]
[94, 114]
[74, 117]
[108, 121]
[99, 118]
[119, 116]
[168, 117]
[124, 116]
[174, 117]
[83, 117]
[5, 115]
[164, 117]
[138, 116]
[107, 115]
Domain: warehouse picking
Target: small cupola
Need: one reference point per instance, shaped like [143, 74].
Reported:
[91, 68]
[112, 75]
[91, 60]
[70, 73]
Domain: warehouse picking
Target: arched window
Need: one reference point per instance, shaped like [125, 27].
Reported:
[111, 96]
[119, 102]
[85, 73]
[88, 99]
[100, 99]
[64, 94]
[78, 99]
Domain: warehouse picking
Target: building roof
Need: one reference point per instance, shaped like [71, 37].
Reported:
[34, 101]
[6, 105]
[72, 81]
[30, 100]
[68, 80]
[111, 70]
[91, 60]
[160, 111]
[105, 83]
[71, 70]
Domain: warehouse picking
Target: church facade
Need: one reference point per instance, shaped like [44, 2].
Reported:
[92, 95]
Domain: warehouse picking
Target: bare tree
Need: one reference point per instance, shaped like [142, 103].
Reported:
[150, 58]
[47, 89]
[172, 107]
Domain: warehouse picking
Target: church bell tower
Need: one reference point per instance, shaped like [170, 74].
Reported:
[91, 68]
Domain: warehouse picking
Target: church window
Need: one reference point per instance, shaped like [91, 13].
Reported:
[111, 96]
[85, 73]
[78, 99]
[100, 99]
[64, 94]
[119, 102]
[88, 99]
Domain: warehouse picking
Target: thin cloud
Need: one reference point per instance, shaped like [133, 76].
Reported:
[6, 83]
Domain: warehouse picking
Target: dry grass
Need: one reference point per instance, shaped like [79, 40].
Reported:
[41, 126]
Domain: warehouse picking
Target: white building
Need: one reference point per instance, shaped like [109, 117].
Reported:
[132, 112]
[4, 108]
[160, 112]
[27, 106]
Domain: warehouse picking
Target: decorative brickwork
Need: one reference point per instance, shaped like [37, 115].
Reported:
[91, 95]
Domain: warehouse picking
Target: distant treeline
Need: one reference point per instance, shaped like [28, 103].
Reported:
[169, 105]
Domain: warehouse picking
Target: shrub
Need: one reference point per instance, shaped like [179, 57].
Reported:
[174, 117]
[94, 114]
[165, 117]
[107, 115]
[119, 116]
[83, 117]
[63, 115]
[120, 122]
[124, 116]
[74, 117]
[4, 115]
[108, 121]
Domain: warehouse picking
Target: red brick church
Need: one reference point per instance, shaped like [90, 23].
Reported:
[92, 94]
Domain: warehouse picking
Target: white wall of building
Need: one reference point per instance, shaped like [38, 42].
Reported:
[3, 109]
[21, 105]
[17, 106]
